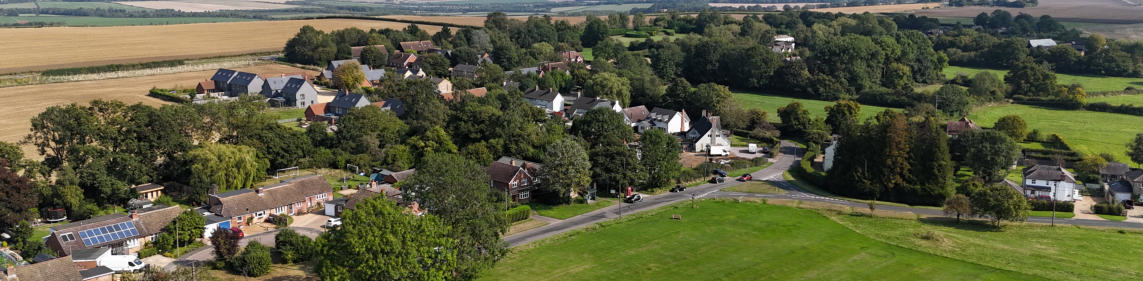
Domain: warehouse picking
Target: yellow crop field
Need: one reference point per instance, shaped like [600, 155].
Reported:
[32, 49]
[19, 104]
[879, 8]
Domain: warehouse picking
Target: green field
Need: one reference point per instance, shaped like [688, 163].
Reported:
[1090, 83]
[1086, 131]
[570, 210]
[1117, 100]
[601, 8]
[100, 21]
[1061, 252]
[71, 5]
[724, 240]
[627, 40]
[770, 103]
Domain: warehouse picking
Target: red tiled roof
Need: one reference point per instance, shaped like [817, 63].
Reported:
[960, 126]
[318, 108]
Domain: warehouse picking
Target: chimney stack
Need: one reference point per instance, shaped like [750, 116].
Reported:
[135, 215]
[512, 162]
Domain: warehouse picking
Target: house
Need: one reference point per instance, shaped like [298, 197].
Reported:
[706, 134]
[59, 269]
[298, 93]
[316, 112]
[830, 153]
[149, 192]
[554, 66]
[1079, 47]
[475, 92]
[412, 72]
[122, 233]
[635, 115]
[343, 102]
[375, 75]
[1041, 43]
[571, 56]
[371, 74]
[582, 105]
[782, 44]
[671, 121]
[466, 71]
[244, 83]
[401, 60]
[1135, 177]
[1049, 183]
[1117, 191]
[99, 259]
[954, 128]
[291, 197]
[221, 79]
[212, 222]
[548, 99]
[417, 46]
[1114, 171]
[394, 105]
[515, 177]
[356, 51]
[205, 87]
[399, 176]
[442, 86]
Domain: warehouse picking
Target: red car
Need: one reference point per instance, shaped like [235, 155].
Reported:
[745, 177]
[238, 232]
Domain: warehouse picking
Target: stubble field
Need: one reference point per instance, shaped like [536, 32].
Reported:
[1099, 11]
[879, 8]
[33, 49]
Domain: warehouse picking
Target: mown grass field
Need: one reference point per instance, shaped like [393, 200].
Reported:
[30, 49]
[100, 21]
[1090, 83]
[1086, 131]
[1062, 252]
[770, 103]
[725, 240]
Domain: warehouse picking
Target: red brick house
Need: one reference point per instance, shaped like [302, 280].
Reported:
[122, 233]
[291, 197]
[205, 87]
[516, 177]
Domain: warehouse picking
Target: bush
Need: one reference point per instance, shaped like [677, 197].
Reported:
[177, 96]
[281, 221]
[519, 213]
[147, 251]
[1108, 209]
[1057, 142]
[293, 247]
[805, 169]
[1046, 205]
[1121, 109]
[254, 261]
[1048, 102]
[111, 68]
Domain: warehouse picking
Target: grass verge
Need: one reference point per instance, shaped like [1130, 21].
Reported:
[759, 187]
[1048, 214]
[1112, 217]
[570, 210]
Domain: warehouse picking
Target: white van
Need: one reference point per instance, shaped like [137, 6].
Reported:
[752, 148]
[719, 151]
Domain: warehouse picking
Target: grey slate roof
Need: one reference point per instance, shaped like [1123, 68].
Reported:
[526, 70]
[586, 103]
[662, 114]
[223, 75]
[98, 271]
[1135, 175]
[541, 94]
[1114, 168]
[88, 254]
[1119, 187]
[374, 74]
[277, 83]
[293, 85]
[1048, 173]
[349, 100]
[244, 78]
[396, 106]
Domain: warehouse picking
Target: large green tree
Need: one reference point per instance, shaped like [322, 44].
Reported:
[609, 86]
[603, 127]
[566, 169]
[186, 228]
[841, 115]
[230, 167]
[456, 190]
[795, 119]
[1031, 79]
[953, 100]
[348, 76]
[1013, 126]
[310, 46]
[595, 31]
[615, 167]
[1000, 202]
[1135, 149]
[374, 57]
[988, 153]
[660, 158]
[377, 241]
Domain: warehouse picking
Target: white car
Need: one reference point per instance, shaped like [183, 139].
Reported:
[333, 222]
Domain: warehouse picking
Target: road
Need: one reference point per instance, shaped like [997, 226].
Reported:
[788, 157]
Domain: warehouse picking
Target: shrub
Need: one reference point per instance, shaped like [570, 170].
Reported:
[254, 261]
[293, 247]
[148, 250]
[1057, 142]
[281, 221]
[519, 213]
[1108, 209]
[111, 68]
[1046, 205]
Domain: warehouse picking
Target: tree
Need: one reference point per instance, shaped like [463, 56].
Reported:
[11, 153]
[959, 205]
[292, 246]
[348, 76]
[1031, 79]
[615, 167]
[601, 126]
[377, 241]
[608, 49]
[895, 166]
[230, 167]
[710, 97]
[795, 119]
[566, 169]
[433, 140]
[986, 86]
[457, 191]
[953, 100]
[660, 158]
[374, 57]
[1088, 168]
[609, 86]
[254, 261]
[310, 46]
[369, 122]
[225, 243]
[186, 227]
[595, 31]
[841, 115]
[59, 129]
[1135, 149]
[436, 65]
[1013, 126]
[17, 197]
[988, 153]
[1000, 202]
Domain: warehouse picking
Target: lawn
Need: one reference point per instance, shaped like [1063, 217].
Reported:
[1117, 100]
[1048, 214]
[747, 170]
[770, 103]
[570, 210]
[1090, 83]
[725, 240]
[1112, 217]
[102, 21]
[1086, 131]
[1061, 252]
[286, 113]
[759, 187]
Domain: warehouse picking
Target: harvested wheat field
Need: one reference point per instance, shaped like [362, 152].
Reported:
[208, 5]
[32, 49]
[1098, 11]
[18, 104]
[879, 8]
[476, 19]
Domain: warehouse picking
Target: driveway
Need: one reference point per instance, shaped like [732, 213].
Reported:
[744, 153]
[265, 238]
[1135, 214]
[1083, 209]
[311, 221]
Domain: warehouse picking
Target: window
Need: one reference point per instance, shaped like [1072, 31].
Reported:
[280, 210]
[260, 214]
[524, 195]
[514, 184]
[67, 237]
[132, 243]
[525, 181]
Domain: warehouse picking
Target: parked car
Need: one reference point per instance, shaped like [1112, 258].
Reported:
[1127, 204]
[333, 222]
[717, 179]
[633, 198]
[746, 177]
[679, 188]
[719, 172]
[238, 231]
